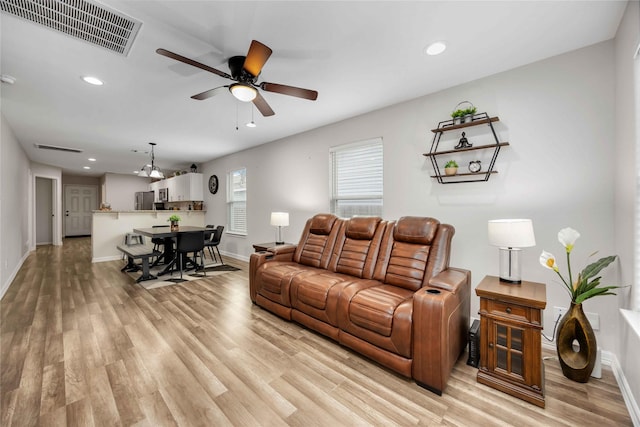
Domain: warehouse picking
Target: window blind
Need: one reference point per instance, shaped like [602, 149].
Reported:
[237, 201]
[357, 179]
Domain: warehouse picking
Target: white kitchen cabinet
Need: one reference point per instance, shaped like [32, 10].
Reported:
[187, 187]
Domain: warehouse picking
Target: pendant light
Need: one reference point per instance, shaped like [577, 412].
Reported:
[151, 170]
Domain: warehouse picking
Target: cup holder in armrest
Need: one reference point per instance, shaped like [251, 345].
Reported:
[433, 291]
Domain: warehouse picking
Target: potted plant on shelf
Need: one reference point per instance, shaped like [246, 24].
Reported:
[467, 115]
[463, 115]
[457, 116]
[174, 221]
[451, 168]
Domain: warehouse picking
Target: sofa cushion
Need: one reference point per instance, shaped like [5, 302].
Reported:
[407, 265]
[411, 229]
[321, 224]
[316, 244]
[380, 314]
[275, 280]
[361, 228]
[316, 294]
[357, 249]
[373, 308]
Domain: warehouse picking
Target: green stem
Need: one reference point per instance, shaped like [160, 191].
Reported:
[569, 288]
[569, 268]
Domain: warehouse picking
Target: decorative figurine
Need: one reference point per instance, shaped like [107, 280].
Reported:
[463, 143]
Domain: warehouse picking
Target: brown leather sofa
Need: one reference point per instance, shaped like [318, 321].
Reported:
[381, 288]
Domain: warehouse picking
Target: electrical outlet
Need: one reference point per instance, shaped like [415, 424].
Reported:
[558, 312]
[594, 318]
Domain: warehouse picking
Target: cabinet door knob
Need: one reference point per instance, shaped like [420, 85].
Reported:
[490, 345]
[508, 310]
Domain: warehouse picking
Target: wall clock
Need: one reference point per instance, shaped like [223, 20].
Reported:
[213, 184]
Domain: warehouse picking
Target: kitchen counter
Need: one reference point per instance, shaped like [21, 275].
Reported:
[110, 227]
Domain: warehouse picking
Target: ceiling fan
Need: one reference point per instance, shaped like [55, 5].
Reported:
[245, 71]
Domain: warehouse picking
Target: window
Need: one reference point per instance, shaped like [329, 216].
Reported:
[237, 201]
[356, 179]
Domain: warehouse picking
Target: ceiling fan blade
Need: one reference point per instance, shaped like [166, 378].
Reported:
[210, 93]
[262, 106]
[181, 58]
[256, 58]
[290, 90]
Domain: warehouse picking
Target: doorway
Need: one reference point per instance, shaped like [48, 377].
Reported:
[79, 201]
[45, 215]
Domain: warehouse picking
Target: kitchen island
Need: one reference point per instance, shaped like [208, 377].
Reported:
[110, 227]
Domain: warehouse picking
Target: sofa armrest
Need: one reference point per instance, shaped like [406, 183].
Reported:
[283, 250]
[440, 324]
[451, 279]
[277, 253]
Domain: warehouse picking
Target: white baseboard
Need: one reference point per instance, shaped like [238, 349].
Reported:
[235, 256]
[627, 394]
[5, 285]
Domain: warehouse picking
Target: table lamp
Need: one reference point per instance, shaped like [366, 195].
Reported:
[510, 235]
[280, 219]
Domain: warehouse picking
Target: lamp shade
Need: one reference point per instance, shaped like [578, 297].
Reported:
[511, 233]
[280, 219]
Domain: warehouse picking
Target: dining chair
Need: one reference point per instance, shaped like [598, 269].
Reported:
[213, 243]
[190, 242]
[158, 245]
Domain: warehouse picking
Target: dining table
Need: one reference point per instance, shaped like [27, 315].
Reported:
[169, 236]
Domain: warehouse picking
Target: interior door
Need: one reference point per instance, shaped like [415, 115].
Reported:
[44, 211]
[79, 202]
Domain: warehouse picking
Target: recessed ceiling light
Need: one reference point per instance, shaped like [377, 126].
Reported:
[91, 159]
[86, 167]
[92, 80]
[436, 48]
[251, 124]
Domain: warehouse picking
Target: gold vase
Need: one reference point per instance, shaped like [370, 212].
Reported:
[577, 362]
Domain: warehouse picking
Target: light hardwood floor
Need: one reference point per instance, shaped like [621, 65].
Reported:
[82, 345]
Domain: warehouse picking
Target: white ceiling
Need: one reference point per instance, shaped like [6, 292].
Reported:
[360, 56]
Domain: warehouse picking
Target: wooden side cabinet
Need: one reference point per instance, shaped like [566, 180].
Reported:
[510, 341]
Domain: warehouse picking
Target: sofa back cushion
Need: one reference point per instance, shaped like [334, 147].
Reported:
[414, 251]
[317, 240]
[357, 247]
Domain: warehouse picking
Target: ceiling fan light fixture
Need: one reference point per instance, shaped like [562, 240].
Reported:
[243, 92]
[436, 48]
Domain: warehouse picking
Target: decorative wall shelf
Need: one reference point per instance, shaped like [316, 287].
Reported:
[447, 126]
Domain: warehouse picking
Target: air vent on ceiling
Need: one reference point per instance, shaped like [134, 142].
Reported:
[86, 20]
[57, 148]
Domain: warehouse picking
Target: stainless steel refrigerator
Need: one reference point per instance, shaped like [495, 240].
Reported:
[144, 201]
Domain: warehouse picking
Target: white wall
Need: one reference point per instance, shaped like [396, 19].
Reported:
[627, 142]
[119, 190]
[14, 202]
[558, 114]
